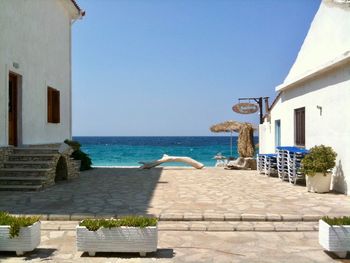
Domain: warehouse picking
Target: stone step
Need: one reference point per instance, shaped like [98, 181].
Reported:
[20, 187]
[238, 226]
[24, 170]
[22, 178]
[206, 226]
[13, 172]
[28, 164]
[32, 150]
[31, 157]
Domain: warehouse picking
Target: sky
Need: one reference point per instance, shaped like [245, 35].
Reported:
[176, 67]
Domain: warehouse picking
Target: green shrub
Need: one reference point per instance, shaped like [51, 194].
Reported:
[337, 221]
[320, 159]
[80, 155]
[129, 221]
[16, 223]
[74, 144]
[84, 158]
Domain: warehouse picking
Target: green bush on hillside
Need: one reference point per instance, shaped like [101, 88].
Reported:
[80, 155]
[16, 222]
[128, 221]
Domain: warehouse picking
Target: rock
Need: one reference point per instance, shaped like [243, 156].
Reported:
[241, 163]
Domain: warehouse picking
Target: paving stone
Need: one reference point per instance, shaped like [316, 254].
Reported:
[56, 217]
[253, 217]
[193, 217]
[263, 226]
[174, 226]
[198, 227]
[232, 217]
[171, 216]
[121, 191]
[273, 217]
[285, 227]
[244, 226]
[105, 216]
[291, 217]
[213, 217]
[305, 227]
[220, 227]
[79, 217]
[190, 246]
[311, 217]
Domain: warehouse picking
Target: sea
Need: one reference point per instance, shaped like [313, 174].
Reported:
[129, 151]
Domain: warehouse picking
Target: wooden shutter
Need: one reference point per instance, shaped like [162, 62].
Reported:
[299, 116]
[53, 105]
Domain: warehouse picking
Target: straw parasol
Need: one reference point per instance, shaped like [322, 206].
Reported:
[227, 126]
[245, 138]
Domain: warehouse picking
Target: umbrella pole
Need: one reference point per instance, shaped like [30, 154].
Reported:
[231, 144]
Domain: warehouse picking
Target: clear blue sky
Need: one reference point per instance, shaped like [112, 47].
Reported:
[161, 67]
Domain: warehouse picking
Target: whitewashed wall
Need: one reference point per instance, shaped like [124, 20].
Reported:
[331, 127]
[327, 39]
[36, 35]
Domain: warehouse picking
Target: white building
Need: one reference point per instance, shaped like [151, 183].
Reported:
[35, 70]
[311, 107]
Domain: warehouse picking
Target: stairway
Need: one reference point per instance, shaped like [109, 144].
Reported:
[28, 169]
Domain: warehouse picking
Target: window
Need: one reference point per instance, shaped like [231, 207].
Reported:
[53, 105]
[277, 133]
[299, 117]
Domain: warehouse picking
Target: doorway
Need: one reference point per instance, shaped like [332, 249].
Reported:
[13, 110]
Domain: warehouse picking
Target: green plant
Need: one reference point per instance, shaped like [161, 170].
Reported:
[78, 154]
[337, 221]
[320, 159]
[16, 222]
[74, 144]
[84, 158]
[128, 221]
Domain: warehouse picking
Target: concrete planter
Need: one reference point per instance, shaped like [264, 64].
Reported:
[319, 183]
[119, 239]
[28, 239]
[334, 238]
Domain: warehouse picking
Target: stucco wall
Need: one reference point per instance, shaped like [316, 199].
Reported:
[327, 39]
[330, 127]
[36, 35]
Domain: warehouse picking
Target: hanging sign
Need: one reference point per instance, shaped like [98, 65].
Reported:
[245, 108]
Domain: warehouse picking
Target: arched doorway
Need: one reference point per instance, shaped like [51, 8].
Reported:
[61, 170]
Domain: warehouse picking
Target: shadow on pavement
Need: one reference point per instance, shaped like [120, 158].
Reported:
[161, 253]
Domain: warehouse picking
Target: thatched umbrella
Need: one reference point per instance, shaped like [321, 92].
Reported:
[245, 138]
[227, 126]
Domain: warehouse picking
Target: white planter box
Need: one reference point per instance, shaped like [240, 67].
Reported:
[119, 239]
[27, 240]
[319, 183]
[334, 238]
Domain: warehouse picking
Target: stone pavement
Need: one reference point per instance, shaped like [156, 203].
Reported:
[190, 246]
[212, 194]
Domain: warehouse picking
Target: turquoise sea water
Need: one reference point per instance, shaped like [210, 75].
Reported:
[128, 151]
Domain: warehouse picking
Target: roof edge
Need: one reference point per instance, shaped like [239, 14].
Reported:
[80, 11]
[316, 72]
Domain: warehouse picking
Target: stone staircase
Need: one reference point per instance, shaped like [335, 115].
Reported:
[30, 168]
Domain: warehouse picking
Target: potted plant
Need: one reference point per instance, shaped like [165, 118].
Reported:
[128, 234]
[317, 165]
[20, 234]
[334, 235]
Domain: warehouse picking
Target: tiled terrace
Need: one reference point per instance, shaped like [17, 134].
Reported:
[175, 194]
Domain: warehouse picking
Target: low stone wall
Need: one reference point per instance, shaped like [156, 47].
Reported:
[4, 153]
[73, 169]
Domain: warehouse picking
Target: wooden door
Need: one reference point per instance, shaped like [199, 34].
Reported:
[12, 109]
